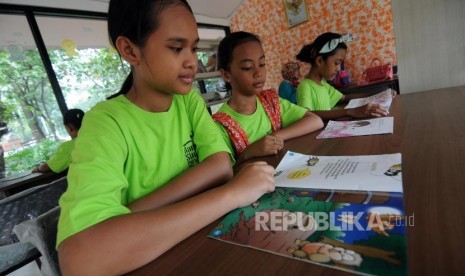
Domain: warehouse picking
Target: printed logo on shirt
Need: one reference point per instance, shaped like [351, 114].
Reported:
[190, 151]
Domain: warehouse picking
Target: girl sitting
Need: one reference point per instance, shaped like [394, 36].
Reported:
[326, 54]
[255, 122]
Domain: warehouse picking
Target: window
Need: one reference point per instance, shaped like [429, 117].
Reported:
[27, 103]
[52, 60]
[88, 69]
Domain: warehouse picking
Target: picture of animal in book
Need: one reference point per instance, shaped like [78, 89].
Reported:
[357, 232]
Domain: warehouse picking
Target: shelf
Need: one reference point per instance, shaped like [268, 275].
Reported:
[208, 75]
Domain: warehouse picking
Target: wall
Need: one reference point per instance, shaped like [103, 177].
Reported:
[371, 20]
[430, 37]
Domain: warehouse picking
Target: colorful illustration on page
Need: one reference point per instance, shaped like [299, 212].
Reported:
[359, 232]
[339, 129]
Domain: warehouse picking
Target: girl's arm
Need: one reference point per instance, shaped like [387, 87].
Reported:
[365, 111]
[309, 123]
[42, 167]
[268, 145]
[123, 243]
[271, 144]
[213, 171]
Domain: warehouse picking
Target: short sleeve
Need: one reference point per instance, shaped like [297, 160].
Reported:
[334, 95]
[62, 157]
[290, 113]
[96, 179]
[304, 96]
[207, 136]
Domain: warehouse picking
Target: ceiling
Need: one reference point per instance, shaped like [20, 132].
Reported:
[206, 11]
[16, 36]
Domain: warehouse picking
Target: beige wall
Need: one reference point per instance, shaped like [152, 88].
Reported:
[430, 43]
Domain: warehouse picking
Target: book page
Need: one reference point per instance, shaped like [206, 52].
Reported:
[340, 232]
[338, 129]
[359, 173]
[384, 99]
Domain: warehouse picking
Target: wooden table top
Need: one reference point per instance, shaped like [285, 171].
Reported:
[429, 131]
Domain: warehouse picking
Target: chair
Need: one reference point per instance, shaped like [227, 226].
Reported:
[20, 207]
[41, 233]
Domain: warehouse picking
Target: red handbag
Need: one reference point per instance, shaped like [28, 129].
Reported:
[378, 72]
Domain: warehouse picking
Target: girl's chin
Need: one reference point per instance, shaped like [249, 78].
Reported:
[258, 90]
[331, 78]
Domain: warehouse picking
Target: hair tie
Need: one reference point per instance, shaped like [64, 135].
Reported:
[313, 53]
[332, 44]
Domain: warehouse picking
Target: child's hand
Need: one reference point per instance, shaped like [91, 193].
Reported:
[393, 93]
[252, 181]
[368, 110]
[268, 145]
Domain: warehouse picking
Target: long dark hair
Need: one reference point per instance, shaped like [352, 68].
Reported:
[227, 46]
[310, 52]
[136, 20]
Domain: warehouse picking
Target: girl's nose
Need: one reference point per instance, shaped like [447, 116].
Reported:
[259, 72]
[191, 61]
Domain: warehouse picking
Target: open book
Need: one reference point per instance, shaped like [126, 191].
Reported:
[384, 99]
[341, 232]
[338, 129]
[359, 173]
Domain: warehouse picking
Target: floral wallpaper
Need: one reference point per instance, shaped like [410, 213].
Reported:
[371, 20]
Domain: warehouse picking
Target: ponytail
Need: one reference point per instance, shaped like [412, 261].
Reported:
[310, 52]
[127, 84]
[305, 54]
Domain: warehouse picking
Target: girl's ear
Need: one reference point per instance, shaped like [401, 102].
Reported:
[128, 50]
[226, 75]
[319, 61]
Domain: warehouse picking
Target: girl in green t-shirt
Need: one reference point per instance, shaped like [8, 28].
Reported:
[60, 161]
[255, 122]
[148, 164]
[326, 54]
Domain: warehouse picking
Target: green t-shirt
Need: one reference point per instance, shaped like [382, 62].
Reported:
[317, 97]
[258, 124]
[124, 152]
[62, 157]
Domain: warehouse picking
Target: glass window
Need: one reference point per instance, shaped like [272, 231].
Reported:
[88, 69]
[30, 119]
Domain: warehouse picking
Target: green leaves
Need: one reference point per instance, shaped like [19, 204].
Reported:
[26, 159]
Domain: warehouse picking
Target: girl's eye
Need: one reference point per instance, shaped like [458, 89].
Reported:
[262, 65]
[176, 49]
[246, 68]
[195, 49]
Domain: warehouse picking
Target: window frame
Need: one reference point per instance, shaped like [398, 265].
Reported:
[30, 12]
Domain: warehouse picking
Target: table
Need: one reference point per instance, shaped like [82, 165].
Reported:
[372, 87]
[429, 131]
[17, 183]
